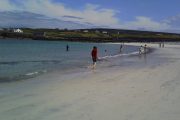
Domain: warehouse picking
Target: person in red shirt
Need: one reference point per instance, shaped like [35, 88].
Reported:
[94, 55]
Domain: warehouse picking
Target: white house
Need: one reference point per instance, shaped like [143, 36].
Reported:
[159, 34]
[105, 32]
[85, 31]
[18, 30]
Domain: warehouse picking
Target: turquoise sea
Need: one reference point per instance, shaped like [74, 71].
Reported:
[23, 59]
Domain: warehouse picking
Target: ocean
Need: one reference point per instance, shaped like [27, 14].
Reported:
[23, 59]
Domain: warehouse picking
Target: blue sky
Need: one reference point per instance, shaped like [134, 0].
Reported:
[157, 15]
[157, 9]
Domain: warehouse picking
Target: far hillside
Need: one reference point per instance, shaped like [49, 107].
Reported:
[94, 35]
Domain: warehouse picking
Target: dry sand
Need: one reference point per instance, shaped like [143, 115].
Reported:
[148, 92]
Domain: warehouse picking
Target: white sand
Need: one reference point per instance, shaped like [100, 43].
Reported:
[149, 92]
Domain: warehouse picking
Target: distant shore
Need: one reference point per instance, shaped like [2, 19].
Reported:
[98, 40]
[92, 35]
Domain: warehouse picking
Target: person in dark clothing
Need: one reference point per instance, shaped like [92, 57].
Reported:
[145, 48]
[121, 46]
[94, 56]
[67, 47]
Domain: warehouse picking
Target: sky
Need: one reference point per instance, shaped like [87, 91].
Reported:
[156, 15]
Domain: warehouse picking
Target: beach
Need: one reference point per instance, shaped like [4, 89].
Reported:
[143, 87]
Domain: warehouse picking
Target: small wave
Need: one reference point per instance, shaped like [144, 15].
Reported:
[9, 63]
[21, 77]
[126, 54]
[35, 73]
[38, 61]
[32, 73]
[118, 55]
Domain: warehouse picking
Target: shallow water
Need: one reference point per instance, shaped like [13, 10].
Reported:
[22, 59]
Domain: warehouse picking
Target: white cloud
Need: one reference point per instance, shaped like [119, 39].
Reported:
[146, 23]
[93, 14]
[5, 5]
[174, 20]
[32, 20]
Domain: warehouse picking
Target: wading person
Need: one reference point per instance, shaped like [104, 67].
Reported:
[67, 47]
[140, 49]
[94, 56]
[121, 46]
[145, 48]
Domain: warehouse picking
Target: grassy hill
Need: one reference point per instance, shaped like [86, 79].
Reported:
[95, 35]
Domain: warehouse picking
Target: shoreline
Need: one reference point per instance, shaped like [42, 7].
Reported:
[103, 62]
[148, 89]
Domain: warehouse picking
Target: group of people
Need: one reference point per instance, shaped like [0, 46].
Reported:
[161, 45]
[93, 54]
[142, 49]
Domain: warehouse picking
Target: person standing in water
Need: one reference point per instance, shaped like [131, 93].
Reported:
[140, 49]
[145, 48]
[121, 46]
[67, 47]
[163, 45]
[94, 56]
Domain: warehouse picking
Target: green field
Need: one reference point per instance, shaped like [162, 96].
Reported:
[97, 35]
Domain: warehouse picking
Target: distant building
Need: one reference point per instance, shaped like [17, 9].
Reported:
[18, 30]
[85, 31]
[104, 32]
